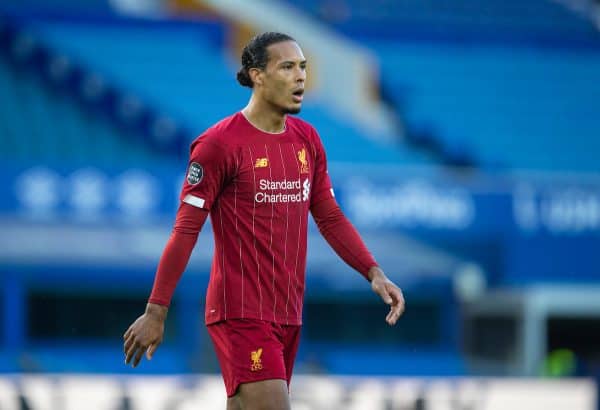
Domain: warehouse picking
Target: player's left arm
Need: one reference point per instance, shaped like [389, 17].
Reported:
[347, 243]
[344, 238]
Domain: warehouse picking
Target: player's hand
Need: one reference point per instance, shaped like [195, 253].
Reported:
[389, 293]
[145, 334]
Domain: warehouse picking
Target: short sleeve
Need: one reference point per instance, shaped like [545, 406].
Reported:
[322, 187]
[207, 172]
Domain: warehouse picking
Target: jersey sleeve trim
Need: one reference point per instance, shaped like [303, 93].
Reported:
[194, 201]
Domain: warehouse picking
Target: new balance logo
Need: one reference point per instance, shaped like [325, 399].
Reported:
[261, 163]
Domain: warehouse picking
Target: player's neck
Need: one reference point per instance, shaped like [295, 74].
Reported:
[264, 118]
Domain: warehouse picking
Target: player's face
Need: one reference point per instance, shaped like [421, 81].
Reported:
[284, 77]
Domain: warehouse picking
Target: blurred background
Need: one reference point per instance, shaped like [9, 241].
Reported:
[464, 143]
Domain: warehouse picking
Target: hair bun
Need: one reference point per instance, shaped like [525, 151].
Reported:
[243, 78]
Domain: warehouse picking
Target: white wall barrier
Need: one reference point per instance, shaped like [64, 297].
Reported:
[78, 392]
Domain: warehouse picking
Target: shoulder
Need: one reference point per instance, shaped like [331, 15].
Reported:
[220, 134]
[304, 127]
[309, 134]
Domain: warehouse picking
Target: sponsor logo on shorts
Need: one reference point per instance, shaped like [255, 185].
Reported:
[195, 173]
[256, 364]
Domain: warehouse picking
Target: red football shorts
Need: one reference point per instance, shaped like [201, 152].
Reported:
[253, 350]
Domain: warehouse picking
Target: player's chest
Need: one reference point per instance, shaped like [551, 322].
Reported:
[275, 173]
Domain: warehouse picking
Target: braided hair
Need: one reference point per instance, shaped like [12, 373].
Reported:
[255, 54]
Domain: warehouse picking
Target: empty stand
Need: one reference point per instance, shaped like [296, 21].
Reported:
[180, 70]
[514, 107]
[510, 85]
[389, 18]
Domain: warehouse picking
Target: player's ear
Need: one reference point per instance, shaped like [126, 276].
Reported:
[256, 75]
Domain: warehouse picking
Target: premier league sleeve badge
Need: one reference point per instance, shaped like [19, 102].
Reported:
[195, 173]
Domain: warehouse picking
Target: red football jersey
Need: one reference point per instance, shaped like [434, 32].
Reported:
[258, 187]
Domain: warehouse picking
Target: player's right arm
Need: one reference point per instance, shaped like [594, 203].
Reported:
[146, 333]
[208, 169]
